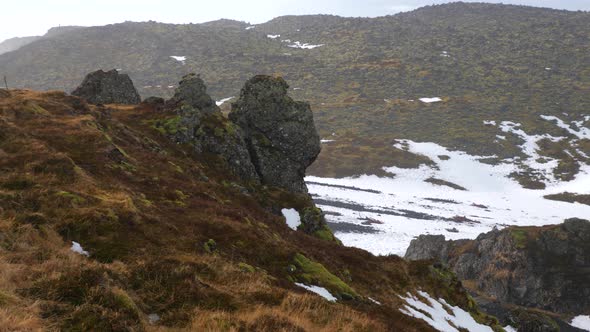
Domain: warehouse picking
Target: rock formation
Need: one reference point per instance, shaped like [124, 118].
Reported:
[199, 122]
[110, 87]
[191, 91]
[544, 267]
[279, 132]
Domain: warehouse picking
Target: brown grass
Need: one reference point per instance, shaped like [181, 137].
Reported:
[144, 216]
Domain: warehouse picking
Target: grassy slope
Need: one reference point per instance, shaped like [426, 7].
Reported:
[168, 233]
[495, 71]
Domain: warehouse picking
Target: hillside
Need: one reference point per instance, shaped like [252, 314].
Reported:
[14, 44]
[108, 222]
[365, 76]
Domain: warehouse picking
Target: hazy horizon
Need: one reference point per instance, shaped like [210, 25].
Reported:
[94, 13]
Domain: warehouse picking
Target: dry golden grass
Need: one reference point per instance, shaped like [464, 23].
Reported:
[144, 215]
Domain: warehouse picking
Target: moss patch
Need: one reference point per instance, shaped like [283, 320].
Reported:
[313, 273]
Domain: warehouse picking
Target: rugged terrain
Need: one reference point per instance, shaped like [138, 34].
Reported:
[540, 267]
[364, 76]
[109, 223]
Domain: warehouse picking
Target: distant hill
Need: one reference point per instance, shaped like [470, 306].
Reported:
[364, 76]
[13, 44]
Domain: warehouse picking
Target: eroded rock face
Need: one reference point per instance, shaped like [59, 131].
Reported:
[280, 133]
[543, 267]
[200, 123]
[110, 87]
[192, 91]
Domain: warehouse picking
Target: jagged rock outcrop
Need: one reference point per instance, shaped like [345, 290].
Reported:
[199, 122]
[192, 91]
[544, 267]
[109, 87]
[279, 132]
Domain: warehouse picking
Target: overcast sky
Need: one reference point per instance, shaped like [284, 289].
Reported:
[34, 17]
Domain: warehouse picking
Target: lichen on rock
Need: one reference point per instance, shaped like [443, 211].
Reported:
[109, 87]
[279, 132]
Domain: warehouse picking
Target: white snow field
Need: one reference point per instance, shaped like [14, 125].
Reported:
[581, 322]
[440, 315]
[382, 215]
[319, 291]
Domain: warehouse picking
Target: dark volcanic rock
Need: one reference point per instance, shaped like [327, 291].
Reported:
[280, 132]
[200, 123]
[544, 267]
[192, 91]
[110, 87]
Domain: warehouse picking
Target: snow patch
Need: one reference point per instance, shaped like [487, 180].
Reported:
[326, 140]
[292, 218]
[440, 318]
[581, 322]
[153, 318]
[375, 301]
[510, 329]
[489, 122]
[181, 59]
[407, 206]
[304, 46]
[430, 100]
[250, 27]
[273, 36]
[77, 248]
[582, 133]
[319, 291]
[223, 101]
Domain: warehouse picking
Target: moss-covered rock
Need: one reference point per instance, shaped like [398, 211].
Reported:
[314, 273]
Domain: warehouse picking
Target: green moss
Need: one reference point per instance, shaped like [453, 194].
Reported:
[210, 246]
[326, 234]
[169, 126]
[35, 109]
[520, 237]
[176, 167]
[6, 299]
[313, 273]
[246, 267]
[182, 196]
[71, 197]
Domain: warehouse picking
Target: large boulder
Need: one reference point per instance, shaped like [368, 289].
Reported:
[191, 91]
[199, 122]
[279, 132]
[109, 87]
[544, 267]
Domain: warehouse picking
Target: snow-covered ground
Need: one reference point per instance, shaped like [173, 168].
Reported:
[304, 46]
[459, 197]
[581, 322]
[440, 315]
[319, 291]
